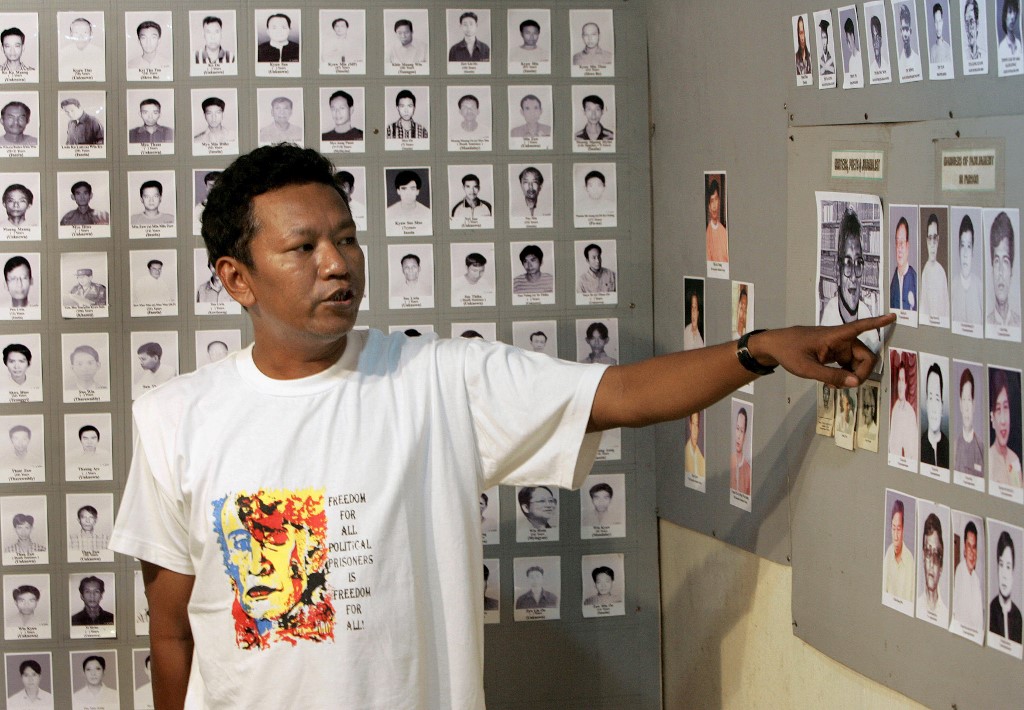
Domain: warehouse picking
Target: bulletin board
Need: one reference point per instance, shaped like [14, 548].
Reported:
[581, 657]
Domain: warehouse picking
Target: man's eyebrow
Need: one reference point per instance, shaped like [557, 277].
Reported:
[311, 231]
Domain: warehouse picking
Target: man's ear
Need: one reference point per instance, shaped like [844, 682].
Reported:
[237, 279]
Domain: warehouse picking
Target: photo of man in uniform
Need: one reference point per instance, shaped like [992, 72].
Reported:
[86, 293]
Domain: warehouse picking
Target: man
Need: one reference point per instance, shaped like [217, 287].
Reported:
[530, 50]
[83, 214]
[531, 181]
[18, 361]
[473, 282]
[405, 126]
[595, 279]
[934, 294]
[878, 62]
[826, 62]
[17, 199]
[85, 293]
[593, 129]
[340, 48]
[803, 55]
[408, 184]
[18, 278]
[692, 338]
[88, 538]
[847, 305]
[967, 306]
[469, 127]
[89, 438]
[939, 52]
[693, 458]
[972, 33]
[970, 456]
[85, 364]
[739, 464]
[91, 589]
[593, 203]
[854, 65]
[1003, 462]
[903, 286]
[150, 131]
[153, 373]
[716, 235]
[1004, 618]
[404, 50]
[538, 505]
[741, 312]
[968, 599]
[530, 108]
[1010, 45]
[340, 104]
[490, 603]
[83, 128]
[15, 116]
[601, 495]
[910, 59]
[24, 545]
[538, 341]
[12, 40]
[898, 564]
[208, 182]
[903, 432]
[151, 194]
[598, 339]
[148, 34]
[21, 439]
[94, 693]
[212, 290]
[347, 183]
[216, 350]
[411, 286]
[26, 601]
[81, 53]
[299, 272]
[278, 47]
[469, 48]
[216, 133]
[536, 597]
[1001, 252]
[281, 128]
[148, 289]
[592, 54]
[212, 51]
[533, 279]
[929, 602]
[604, 578]
[31, 695]
[934, 443]
[471, 206]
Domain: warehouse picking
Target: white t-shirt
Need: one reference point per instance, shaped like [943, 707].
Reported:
[378, 462]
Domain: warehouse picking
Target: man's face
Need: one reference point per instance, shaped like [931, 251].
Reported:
[16, 204]
[92, 596]
[933, 405]
[341, 112]
[404, 34]
[1002, 271]
[970, 551]
[939, 24]
[151, 198]
[932, 561]
[531, 110]
[26, 603]
[1011, 19]
[12, 48]
[932, 241]
[19, 282]
[214, 116]
[149, 362]
[30, 679]
[601, 500]
[74, 111]
[84, 280]
[530, 184]
[902, 250]
[87, 520]
[741, 311]
[531, 264]
[1006, 573]
[149, 39]
[217, 352]
[81, 34]
[469, 27]
[411, 270]
[536, 579]
[15, 118]
[472, 190]
[594, 260]
[20, 440]
[530, 36]
[406, 108]
[23, 531]
[474, 272]
[694, 428]
[155, 270]
[740, 433]
[538, 343]
[542, 504]
[849, 286]
[971, 25]
[84, 367]
[16, 364]
[595, 188]
[483, 505]
[901, 383]
[340, 30]
[282, 111]
[897, 533]
[967, 406]
[93, 671]
[966, 252]
[1001, 418]
[694, 311]
[714, 204]
[90, 440]
[591, 35]
[876, 42]
[603, 583]
[82, 195]
[593, 112]
[212, 32]
[408, 193]
[851, 42]
[597, 342]
[469, 110]
[277, 30]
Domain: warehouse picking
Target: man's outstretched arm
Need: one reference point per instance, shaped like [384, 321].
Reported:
[170, 635]
[673, 386]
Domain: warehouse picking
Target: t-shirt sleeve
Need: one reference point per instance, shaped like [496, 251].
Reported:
[152, 523]
[530, 413]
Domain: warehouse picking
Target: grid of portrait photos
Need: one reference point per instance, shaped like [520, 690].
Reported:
[109, 292]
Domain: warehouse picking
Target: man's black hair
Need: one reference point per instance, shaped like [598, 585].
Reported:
[531, 249]
[14, 262]
[599, 328]
[17, 186]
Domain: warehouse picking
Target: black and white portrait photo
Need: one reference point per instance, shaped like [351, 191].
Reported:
[538, 588]
[81, 54]
[22, 205]
[213, 43]
[83, 285]
[92, 607]
[154, 359]
[596, 272]
[141, 606]
[279, 116]
[823, 29]
[851, 48]
[406, 118]
[148, 46]
[529, 41]
[23, 282]
[603, 583]
[88, 440]
[876, 37]
[23, 530]
[211, 298]
[974, 30]
[492, 587]
[202, 181]
[537, 513]
[530, 195]
[592, 43]
[83, 205]
[26, 610]
[801, 50]
[278, 42]
[469, 118]
[933, 403]
[410, 276]
[537, 336]
[408, 195]
[593, 119]
[868, 401]
[939, 28]
[19, 41]
[89, 521]
[469, 41]
[933, 289]
[85, 367]
[487, 331]
[22, 456]
[82, 124]
[530, 117]
[472, 275]
[406, 42]
[603, 506]
[342, 119]
[152, 204]
[471, 195]
[29, 679]
[594, 190]
[1002, 274]
[967, 268]
[94, 678]
[342, 41]
[142, 678]
[154, 282]
[597, 341]
[215, 345]
[1008, 34]
[352, 180]
[908, 44]
[1005, 542]
[533, 273]
[20, 137]
[215, 121]
[21, 380]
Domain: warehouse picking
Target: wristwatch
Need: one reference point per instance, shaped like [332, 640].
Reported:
[747, 360]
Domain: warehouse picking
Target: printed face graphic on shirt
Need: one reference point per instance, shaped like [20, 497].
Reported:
[275, 553]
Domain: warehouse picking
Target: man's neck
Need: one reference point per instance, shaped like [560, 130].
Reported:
[897, 553]
[284, 357]
[968, 433]
[212, 51]
[902, 269]
[535, 276]
[282, 125]
[344, 127]
[93, 614]
[278, 45]
[19, 302]
[934, 437]
[1002, 308]
[931, 597]
[150, 129]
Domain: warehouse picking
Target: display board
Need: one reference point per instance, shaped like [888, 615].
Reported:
[111, 178]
